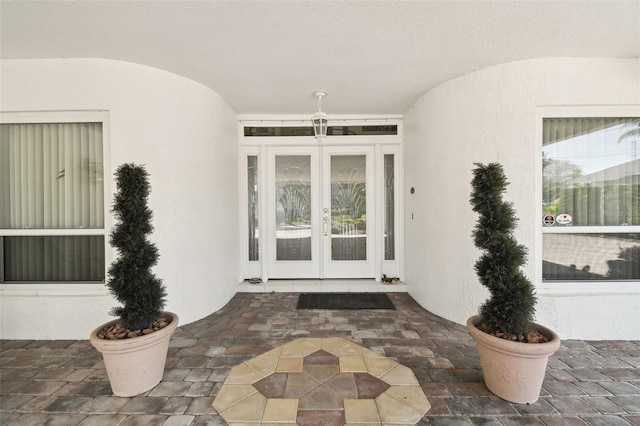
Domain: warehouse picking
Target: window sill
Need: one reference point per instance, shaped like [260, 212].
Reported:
[54, 290]
[591, 288]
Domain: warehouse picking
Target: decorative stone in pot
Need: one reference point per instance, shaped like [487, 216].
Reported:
[513, 370]
[135, 365]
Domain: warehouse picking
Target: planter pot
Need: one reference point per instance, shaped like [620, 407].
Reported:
[514, 371]
[135, 365]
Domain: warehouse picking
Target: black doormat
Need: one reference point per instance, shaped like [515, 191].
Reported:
[344, 301]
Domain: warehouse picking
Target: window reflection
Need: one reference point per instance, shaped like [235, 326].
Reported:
[293, 207]
[591, 170]
[348, 207]
[591, 256]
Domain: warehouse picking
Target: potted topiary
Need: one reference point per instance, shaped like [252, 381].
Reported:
[513, 349]
[135, 345]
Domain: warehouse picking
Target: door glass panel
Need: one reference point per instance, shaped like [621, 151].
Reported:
[252, 205]
[389, 208]
[348, 207]
[293, 207]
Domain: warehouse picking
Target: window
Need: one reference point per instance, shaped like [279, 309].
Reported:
[255, 131]
[253, 208]
[389, 208]
[51, 202]
[590, 198]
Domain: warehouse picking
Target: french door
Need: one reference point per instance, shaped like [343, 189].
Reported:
[320, 212]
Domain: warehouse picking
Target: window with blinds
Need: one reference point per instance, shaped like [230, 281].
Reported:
[51, 202]
[591, 193]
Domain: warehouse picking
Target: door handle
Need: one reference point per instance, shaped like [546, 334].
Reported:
[325, 226]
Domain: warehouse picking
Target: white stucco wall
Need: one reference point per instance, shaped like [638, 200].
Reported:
[490, 115]
[186, 135]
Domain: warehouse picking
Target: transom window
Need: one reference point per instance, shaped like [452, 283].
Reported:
[255, 131]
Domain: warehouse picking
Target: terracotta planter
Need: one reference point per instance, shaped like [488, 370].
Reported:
[513, 371]
[135, 365]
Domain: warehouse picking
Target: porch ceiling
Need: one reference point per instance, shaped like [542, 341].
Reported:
[267, 57]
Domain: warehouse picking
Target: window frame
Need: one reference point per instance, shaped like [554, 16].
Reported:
[574, 287]
[64, 287]
[383, 144]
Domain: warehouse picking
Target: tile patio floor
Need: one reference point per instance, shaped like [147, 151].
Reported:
[64, 382]
[329, 381]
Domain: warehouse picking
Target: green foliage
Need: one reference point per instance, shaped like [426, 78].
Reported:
[627, 265]
[630, 253]
[592, 205]
[552, 208]
[512, 301]
[130, 279]
[342, 221]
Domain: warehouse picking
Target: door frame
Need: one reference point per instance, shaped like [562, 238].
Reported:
[382, 144]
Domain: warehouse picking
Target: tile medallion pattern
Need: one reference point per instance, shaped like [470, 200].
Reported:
[328, 381]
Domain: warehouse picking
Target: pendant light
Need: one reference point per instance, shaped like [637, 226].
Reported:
[319, 119]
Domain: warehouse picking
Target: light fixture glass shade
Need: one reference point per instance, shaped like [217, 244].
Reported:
[320, 121]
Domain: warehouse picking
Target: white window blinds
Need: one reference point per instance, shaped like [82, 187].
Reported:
[51, 176]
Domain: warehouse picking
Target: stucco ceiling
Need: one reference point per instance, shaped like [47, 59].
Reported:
[267, 57]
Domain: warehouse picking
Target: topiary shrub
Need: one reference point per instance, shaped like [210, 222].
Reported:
[511, 305]
[130, 279]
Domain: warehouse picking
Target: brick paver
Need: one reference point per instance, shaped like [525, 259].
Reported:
[64, 381]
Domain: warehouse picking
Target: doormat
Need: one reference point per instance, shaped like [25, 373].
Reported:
[344, 301]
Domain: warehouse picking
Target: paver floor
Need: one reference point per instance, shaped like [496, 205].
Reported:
[64, 382]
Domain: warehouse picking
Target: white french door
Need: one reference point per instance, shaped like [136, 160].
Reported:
[348, 213]
[321, 212]
[293, 219]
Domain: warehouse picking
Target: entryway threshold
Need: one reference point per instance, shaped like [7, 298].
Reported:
[322, 286]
